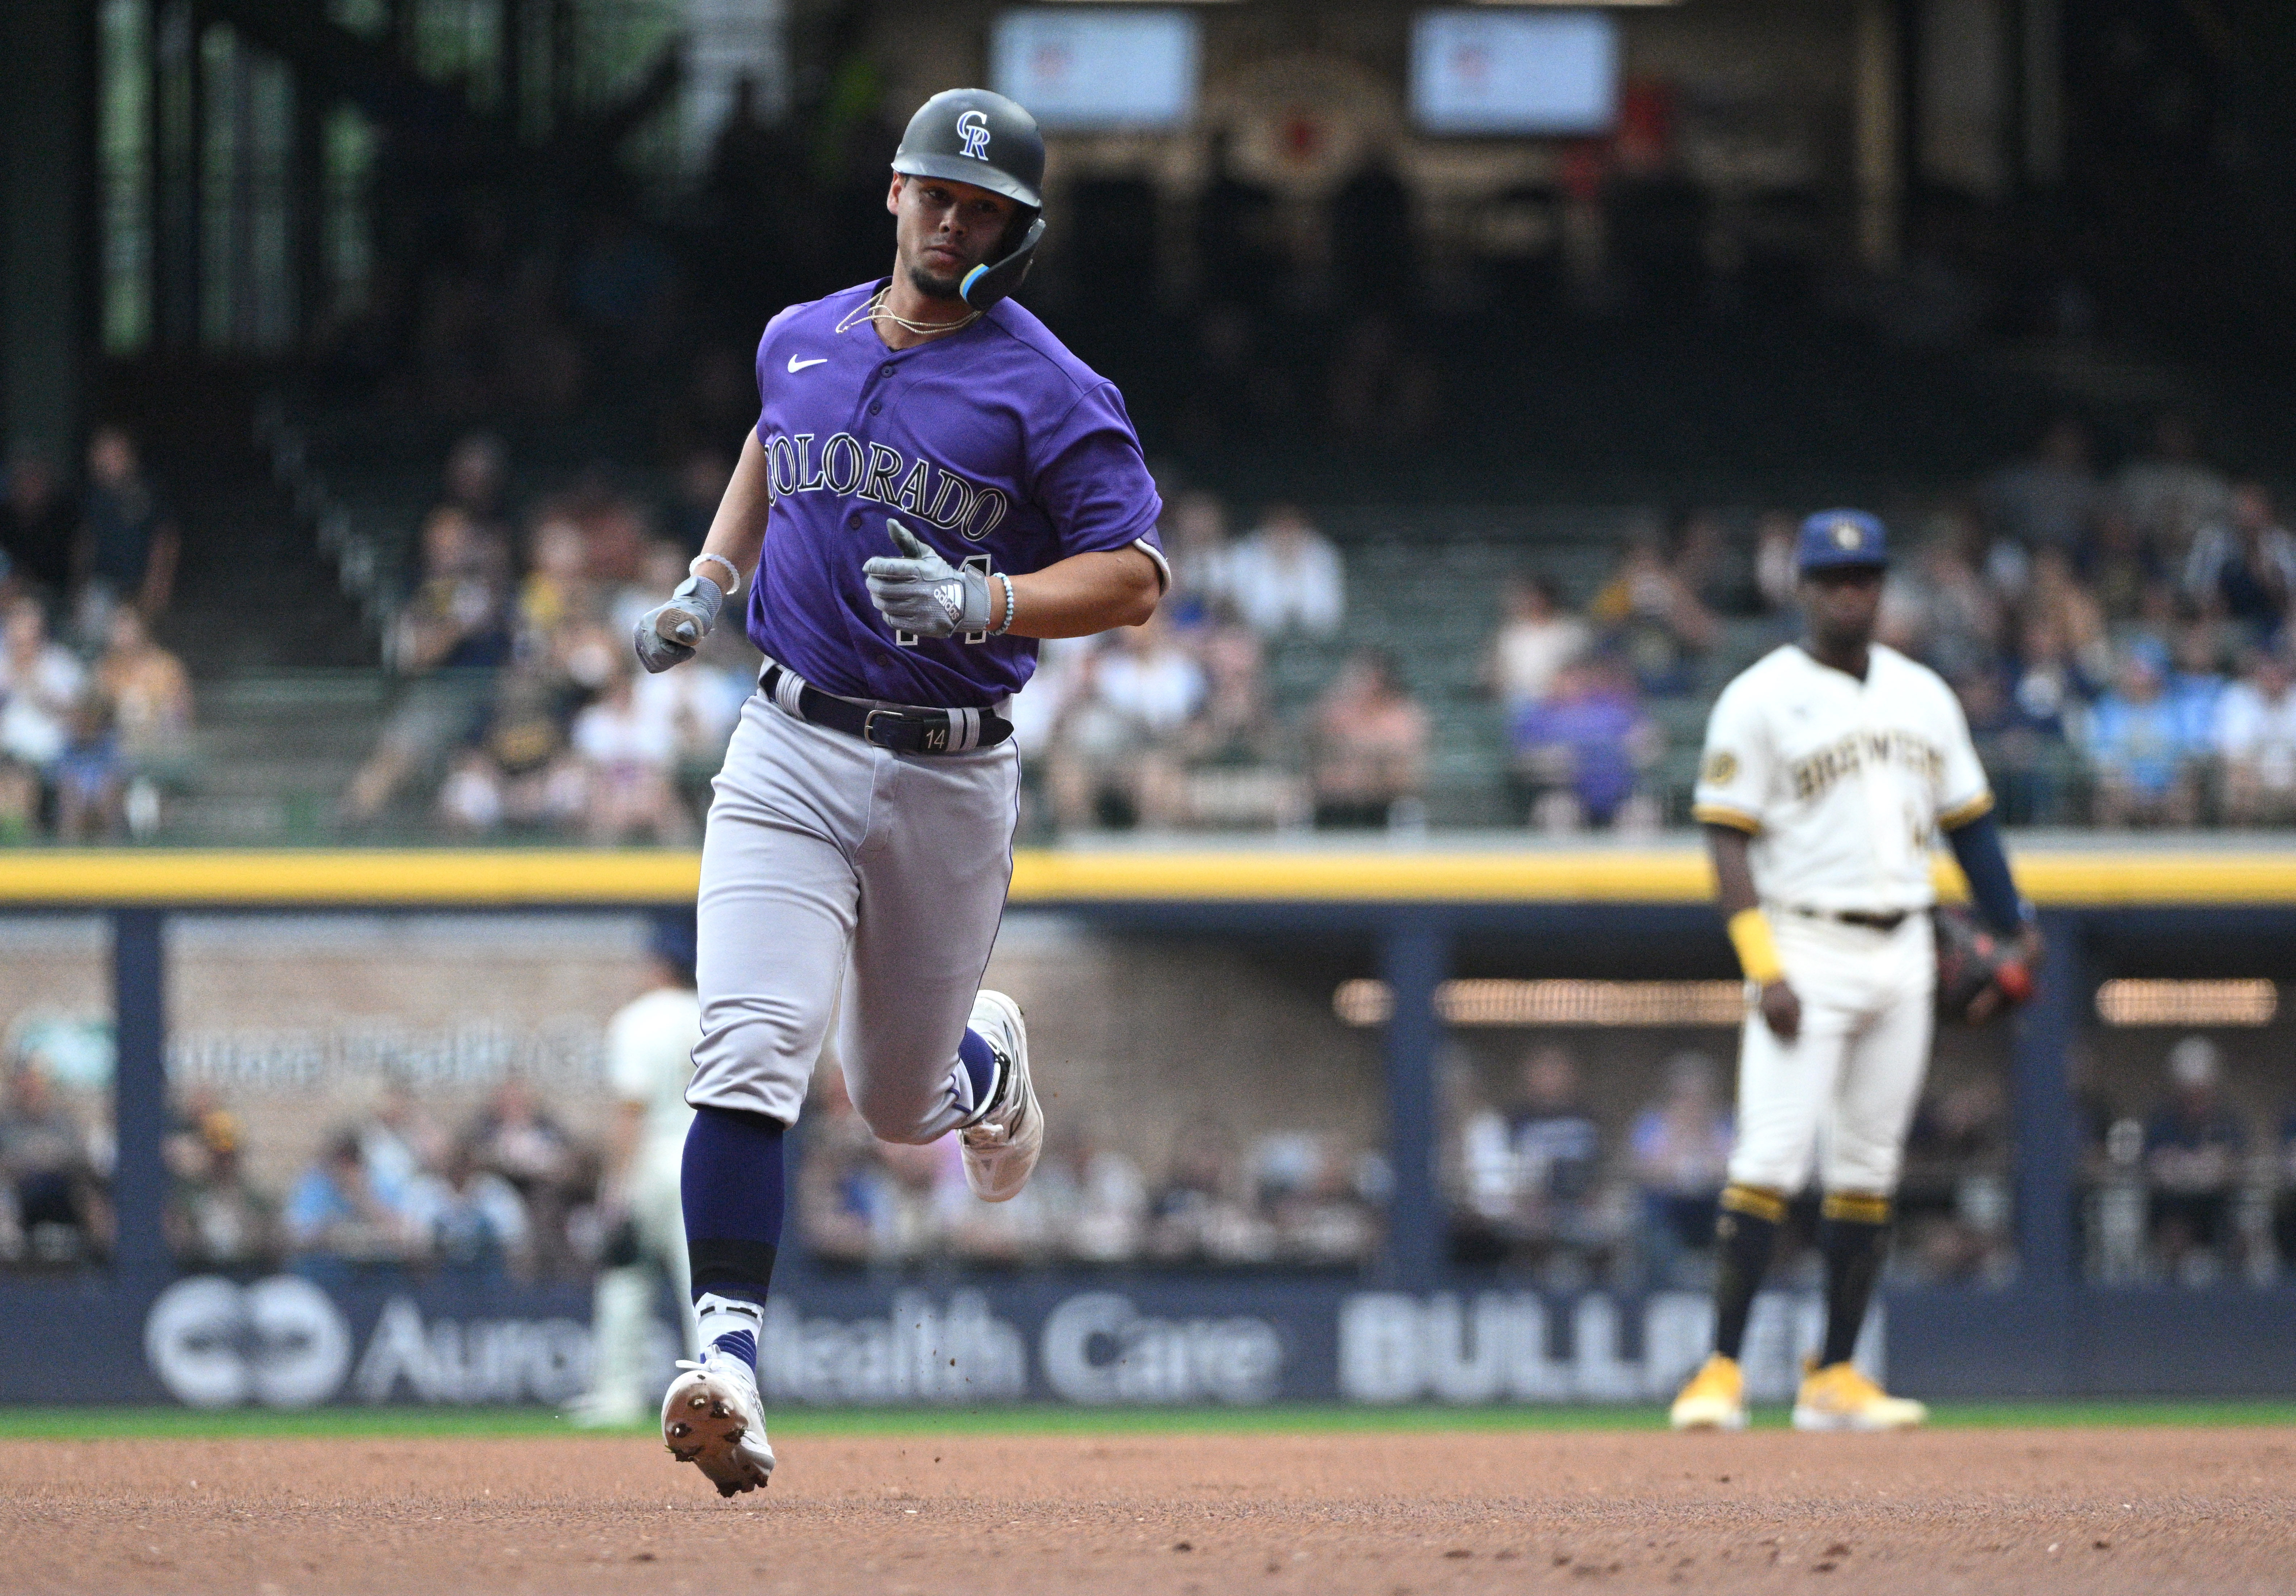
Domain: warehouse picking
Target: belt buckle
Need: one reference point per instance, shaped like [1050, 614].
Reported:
[869, 727]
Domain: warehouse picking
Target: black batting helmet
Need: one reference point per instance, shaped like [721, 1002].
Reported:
[977, 136]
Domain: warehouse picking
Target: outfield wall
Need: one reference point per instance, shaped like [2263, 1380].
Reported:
[1406, 1330]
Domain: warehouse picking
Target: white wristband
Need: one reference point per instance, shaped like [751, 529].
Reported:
[732, 571]
[1010, 605]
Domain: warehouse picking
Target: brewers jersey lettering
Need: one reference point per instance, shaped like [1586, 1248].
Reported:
[1843, 785]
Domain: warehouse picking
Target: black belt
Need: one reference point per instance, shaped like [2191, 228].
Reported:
[904, 728]
[1872, 920]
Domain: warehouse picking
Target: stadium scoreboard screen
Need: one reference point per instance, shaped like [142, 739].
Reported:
[1501, 73]
[1085, 72]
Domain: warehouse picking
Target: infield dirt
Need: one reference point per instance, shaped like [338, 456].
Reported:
[2153, 1511]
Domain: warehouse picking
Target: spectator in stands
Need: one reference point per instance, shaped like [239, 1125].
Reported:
[1953, 1199]
[2196, 682]
[2243, 567]
[520, 772]
[837, 1181]
[2194, 1144]
[1306, 1189]
[1371, 747]
[1200, 1213]
[469, 1219]
[2049, 688]
[1579, 756]
[1778, 539]
[1558, 1160]
[1535, 640]
[128, 542]
[150, 697]
[519, 1140]
[1680, 1150]
[1107, 1223]
[1232, 750]
[2119, 565]
[1653, 615]
[2053, 595]
[216, 1218]
[40, 682]
[478, 483]
[333, 1213]
[448, 641]
[1938, 609]
[1196, 542]
[1287, 575]
[1481, 1179]
[1119, 743]
[52, 1208]
[37, 523]
[2141, 746]
[89, 778]
[2045, 501]
[2171, 493]
[2254, 734]
[1706, 562]
[398, 1141]
[2022, 756]
[561, 626]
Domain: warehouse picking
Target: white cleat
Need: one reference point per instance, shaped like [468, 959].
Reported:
[712, 1418]
[1001, 1147]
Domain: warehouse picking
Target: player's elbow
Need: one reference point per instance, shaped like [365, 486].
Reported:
[1138, 601]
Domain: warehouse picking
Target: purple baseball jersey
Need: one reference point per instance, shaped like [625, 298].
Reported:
[994, 445]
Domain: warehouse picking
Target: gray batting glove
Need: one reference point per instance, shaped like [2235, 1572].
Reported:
[923, 594]
[668, 633]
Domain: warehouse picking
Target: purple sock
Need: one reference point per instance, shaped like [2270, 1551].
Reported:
[732, 1187]
[979, 1061]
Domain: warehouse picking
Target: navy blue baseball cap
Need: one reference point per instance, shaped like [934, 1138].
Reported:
[1833, 538]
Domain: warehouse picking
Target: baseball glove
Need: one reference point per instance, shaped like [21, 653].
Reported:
[1979, 977]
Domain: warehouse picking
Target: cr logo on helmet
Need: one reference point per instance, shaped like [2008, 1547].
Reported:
[973, 127]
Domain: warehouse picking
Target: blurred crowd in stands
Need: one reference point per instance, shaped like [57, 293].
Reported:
[2181, 1183]
[511, 1191]
[521, 709]
[2118, 639]
[95, 716]
[1288, 1199]
[2183, 1192]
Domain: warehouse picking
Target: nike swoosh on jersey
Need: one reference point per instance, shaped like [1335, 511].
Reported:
[797, 365]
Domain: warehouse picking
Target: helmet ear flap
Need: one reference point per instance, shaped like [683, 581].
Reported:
[984, 285]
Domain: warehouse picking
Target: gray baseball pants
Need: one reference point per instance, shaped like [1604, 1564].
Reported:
[829, 860]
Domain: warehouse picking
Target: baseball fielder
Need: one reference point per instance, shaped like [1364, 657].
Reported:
[649, 1059]
[934, 483]
[1830, 766]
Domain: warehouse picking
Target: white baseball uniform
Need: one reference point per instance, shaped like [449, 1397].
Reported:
[1843, 785]
[649, 1060]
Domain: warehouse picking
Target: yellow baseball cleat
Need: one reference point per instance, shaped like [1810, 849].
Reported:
[1714, 1399]
[1839, 1396]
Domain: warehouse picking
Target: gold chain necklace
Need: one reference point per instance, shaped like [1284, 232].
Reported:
[875, 311]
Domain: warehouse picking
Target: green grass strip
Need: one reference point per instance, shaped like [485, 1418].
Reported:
[1301, 1419]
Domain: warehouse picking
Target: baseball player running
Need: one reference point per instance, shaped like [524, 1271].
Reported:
[934, 483]
[1829, 767]
[649, 1059]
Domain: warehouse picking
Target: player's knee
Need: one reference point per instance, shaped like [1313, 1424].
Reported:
[898, 1114]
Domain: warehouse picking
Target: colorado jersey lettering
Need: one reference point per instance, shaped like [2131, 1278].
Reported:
[994, 443]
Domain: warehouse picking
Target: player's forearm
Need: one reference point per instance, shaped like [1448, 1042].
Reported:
[1734, 875]
[1080, 595]
[738, 530]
